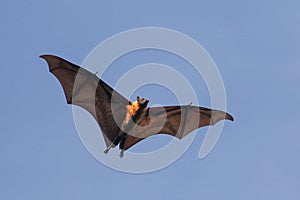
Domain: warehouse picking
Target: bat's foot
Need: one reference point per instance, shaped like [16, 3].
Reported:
[106, 151]
[108, 148]
[121, 153]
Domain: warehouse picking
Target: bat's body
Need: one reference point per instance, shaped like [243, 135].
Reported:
[136, 111]
[123, 123]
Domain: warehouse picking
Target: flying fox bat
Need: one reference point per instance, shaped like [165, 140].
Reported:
[122, 122]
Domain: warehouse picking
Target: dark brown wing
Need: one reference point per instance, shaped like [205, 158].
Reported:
[177, 121]
[85, 89]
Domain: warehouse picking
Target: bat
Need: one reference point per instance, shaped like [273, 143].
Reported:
[122, 122]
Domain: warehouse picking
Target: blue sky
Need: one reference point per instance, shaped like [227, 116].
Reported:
[255, 45]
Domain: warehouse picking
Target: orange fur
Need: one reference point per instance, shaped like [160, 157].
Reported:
[133, 108]
[131, 111]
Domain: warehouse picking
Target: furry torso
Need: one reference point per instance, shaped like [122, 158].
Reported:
[135, 112]
[133, 108]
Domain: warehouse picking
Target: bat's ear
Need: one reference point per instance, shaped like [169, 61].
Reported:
[137, 98]
[129, 103]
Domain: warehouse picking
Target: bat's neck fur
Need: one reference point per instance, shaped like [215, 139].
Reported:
[134, 111]
[133, 108]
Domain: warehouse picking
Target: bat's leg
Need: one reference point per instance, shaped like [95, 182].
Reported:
[109, 147]
[113, 144]
[122, 142]
[121, 153]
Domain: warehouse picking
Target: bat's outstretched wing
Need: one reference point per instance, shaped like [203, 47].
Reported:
[85, 89]
[177, 121]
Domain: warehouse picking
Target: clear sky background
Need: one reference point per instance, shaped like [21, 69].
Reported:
[255, 45]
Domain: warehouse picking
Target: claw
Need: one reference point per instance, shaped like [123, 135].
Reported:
[106, 151]
[121, 153]
[109, 147]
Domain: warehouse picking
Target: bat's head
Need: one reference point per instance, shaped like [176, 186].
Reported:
[142, 102]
